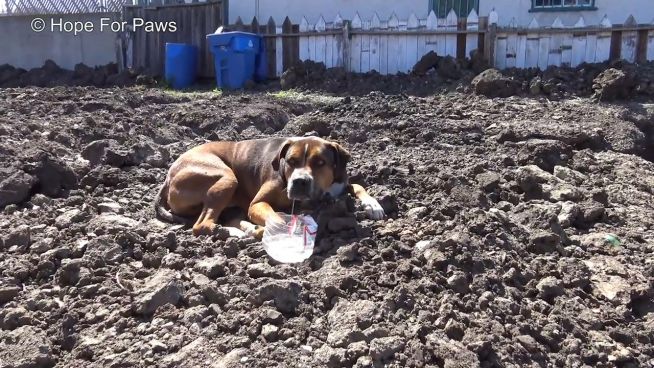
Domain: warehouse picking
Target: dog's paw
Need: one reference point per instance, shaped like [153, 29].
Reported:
[256, 232]
[373, 209]
[237, 233]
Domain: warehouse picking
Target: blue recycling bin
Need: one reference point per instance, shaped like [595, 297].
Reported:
[181, 64]
[238, 57]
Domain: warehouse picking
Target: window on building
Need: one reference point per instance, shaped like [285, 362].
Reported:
[461, 7]
[556, 5]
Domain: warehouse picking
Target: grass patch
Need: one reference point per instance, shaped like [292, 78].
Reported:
[192, 93]
[293, 95]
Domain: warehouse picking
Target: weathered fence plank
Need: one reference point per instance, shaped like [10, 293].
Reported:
[603, 43]
[628, 46]
[543, 51]
[511, 46]
[271, 48]
[450, 39]
[472, 39]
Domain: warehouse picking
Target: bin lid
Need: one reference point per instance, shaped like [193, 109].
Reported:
[229, 35]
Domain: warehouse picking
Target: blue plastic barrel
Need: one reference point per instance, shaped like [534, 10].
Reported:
[235, 56]
[181, 64]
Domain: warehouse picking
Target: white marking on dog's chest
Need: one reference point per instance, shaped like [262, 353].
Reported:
[336, 189]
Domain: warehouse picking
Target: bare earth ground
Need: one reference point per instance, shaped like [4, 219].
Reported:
[521, 233]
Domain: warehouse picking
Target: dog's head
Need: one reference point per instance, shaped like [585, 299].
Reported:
[311, 166]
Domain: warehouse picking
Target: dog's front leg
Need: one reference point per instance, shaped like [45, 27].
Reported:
[260, 212]
[373, 209]
[261, 209]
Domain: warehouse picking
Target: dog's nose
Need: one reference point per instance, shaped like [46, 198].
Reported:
[301, 185]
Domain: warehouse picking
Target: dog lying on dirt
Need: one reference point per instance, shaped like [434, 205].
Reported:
[261, 177]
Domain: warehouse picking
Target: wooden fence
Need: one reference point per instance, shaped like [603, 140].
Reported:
[18, 7]
[193, 22]
[389, 46]
[557, 45]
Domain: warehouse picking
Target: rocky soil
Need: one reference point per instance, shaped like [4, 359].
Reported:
[520, 233]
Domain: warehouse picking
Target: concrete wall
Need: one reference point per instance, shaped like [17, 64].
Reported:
[21, 47]
[617, 11]
[312, 9]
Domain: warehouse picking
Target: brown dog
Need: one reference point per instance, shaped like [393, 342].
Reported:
[259, 176]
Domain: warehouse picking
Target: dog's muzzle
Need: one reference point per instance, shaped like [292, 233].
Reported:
[301, 186]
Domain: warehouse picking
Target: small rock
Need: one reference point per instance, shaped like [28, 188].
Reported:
[16, 187]
[364, 362]
[158, 346]
[269, 332]
[385, 347]
[8, 293]
[568, 215]
[14, 318]
[549, 288]
[454, 330]
[68, 218]
[528, 343]
[69, 272]
[593, 214]
[491, 83]
[330, 357]
[569, 175]
[109, 223]
[347, 253]
[417, 213]
[42, 246]
[214, 295]
[213, 267]
[357, 349]
[233, 359]
[272, 316]
[535, 86]
[543, 242]
[26, 346]
[258, 270]
[488, 180]
[613, 84]
[565, 192]
[110, 207]
[161, 288]
[39, 199]
[285, 294]
[458, 282]
[530, 177]
[19, 237]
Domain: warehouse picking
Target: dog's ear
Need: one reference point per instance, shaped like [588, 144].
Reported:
[341, 158]
[281, 154]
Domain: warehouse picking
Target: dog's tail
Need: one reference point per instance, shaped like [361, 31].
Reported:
[161, 208]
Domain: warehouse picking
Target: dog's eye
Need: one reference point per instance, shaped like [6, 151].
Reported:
[319, 163]
[292, 162]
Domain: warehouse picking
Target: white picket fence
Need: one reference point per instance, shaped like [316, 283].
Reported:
[558, 45]
[392, 45]
[387, 46]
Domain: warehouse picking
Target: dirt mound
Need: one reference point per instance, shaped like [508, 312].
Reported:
[433, 74]
[491, 83]
[51, 75]
[519, 233]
